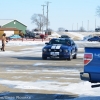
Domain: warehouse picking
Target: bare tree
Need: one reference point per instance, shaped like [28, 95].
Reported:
[39, 20]
[98, 11]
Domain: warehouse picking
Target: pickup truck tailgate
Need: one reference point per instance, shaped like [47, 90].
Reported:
[92, 63]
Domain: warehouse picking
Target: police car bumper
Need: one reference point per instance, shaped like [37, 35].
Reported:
[56, 56]
[85, 76]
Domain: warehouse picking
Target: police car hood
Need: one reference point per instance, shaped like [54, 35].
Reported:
[57, 46]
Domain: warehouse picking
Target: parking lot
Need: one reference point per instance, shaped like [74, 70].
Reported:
[24, 74]
[28, 73]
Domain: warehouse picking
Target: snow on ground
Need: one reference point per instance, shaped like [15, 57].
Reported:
[24, 43]
[75, 34]
[83, 89]
[38, 47]
[34, 43]
[54, 35]
[80, 35]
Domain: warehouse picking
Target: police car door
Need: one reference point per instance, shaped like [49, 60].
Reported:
[73, 47]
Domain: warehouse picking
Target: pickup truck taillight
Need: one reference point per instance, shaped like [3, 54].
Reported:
[88, 58]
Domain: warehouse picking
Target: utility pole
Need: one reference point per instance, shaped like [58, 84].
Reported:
[72, 26]
[77, 26]
[43, 8]
[82, 24]
[88, 26]
[43, 17]
[47, 3]
[95, 24]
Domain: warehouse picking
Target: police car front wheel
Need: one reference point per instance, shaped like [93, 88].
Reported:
[44, 58]
[70, 57]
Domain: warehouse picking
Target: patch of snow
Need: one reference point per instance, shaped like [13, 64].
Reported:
[43, 85]
[80, 55]
[77, 35]
[83, 89]
[37, 64]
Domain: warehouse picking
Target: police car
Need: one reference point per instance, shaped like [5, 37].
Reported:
[60, 48]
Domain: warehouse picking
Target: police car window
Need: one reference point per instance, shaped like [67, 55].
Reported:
[68, 42]
[60, 41]
[72, 42]
[54, 41]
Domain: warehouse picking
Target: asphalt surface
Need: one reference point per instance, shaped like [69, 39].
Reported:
[31, 68]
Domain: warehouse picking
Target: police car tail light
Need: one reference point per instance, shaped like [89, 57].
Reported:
[88, 58]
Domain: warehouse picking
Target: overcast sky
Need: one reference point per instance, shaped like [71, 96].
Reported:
[62, 13]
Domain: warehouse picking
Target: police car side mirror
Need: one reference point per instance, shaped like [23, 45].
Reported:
[73, 44]
[47, 43]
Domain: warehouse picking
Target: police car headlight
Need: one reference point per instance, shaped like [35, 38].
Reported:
[60, 50]
[44, 50]
[65, 50]
[49, 49]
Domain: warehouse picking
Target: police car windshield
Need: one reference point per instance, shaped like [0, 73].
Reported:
[60, 41]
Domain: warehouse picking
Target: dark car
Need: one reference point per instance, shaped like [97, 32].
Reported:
[95, 38]
[60, 48]
[97, 29]
[64, 36]
[30, 35]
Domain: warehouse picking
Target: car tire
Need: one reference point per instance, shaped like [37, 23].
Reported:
[44, 58]
[75, 56]
[70, 58]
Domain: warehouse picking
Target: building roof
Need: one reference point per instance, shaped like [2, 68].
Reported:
[6, 21]
[9, 29]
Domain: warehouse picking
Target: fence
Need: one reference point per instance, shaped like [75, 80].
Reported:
[29, 39]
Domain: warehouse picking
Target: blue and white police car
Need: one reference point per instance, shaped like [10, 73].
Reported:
[60, 48]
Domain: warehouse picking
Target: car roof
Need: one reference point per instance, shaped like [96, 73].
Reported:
[62, 39]
[64, 35]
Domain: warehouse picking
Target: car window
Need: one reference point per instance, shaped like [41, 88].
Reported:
[60, 41]
[72, 42]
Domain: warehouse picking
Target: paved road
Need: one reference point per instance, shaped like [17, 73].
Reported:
[28, 77]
